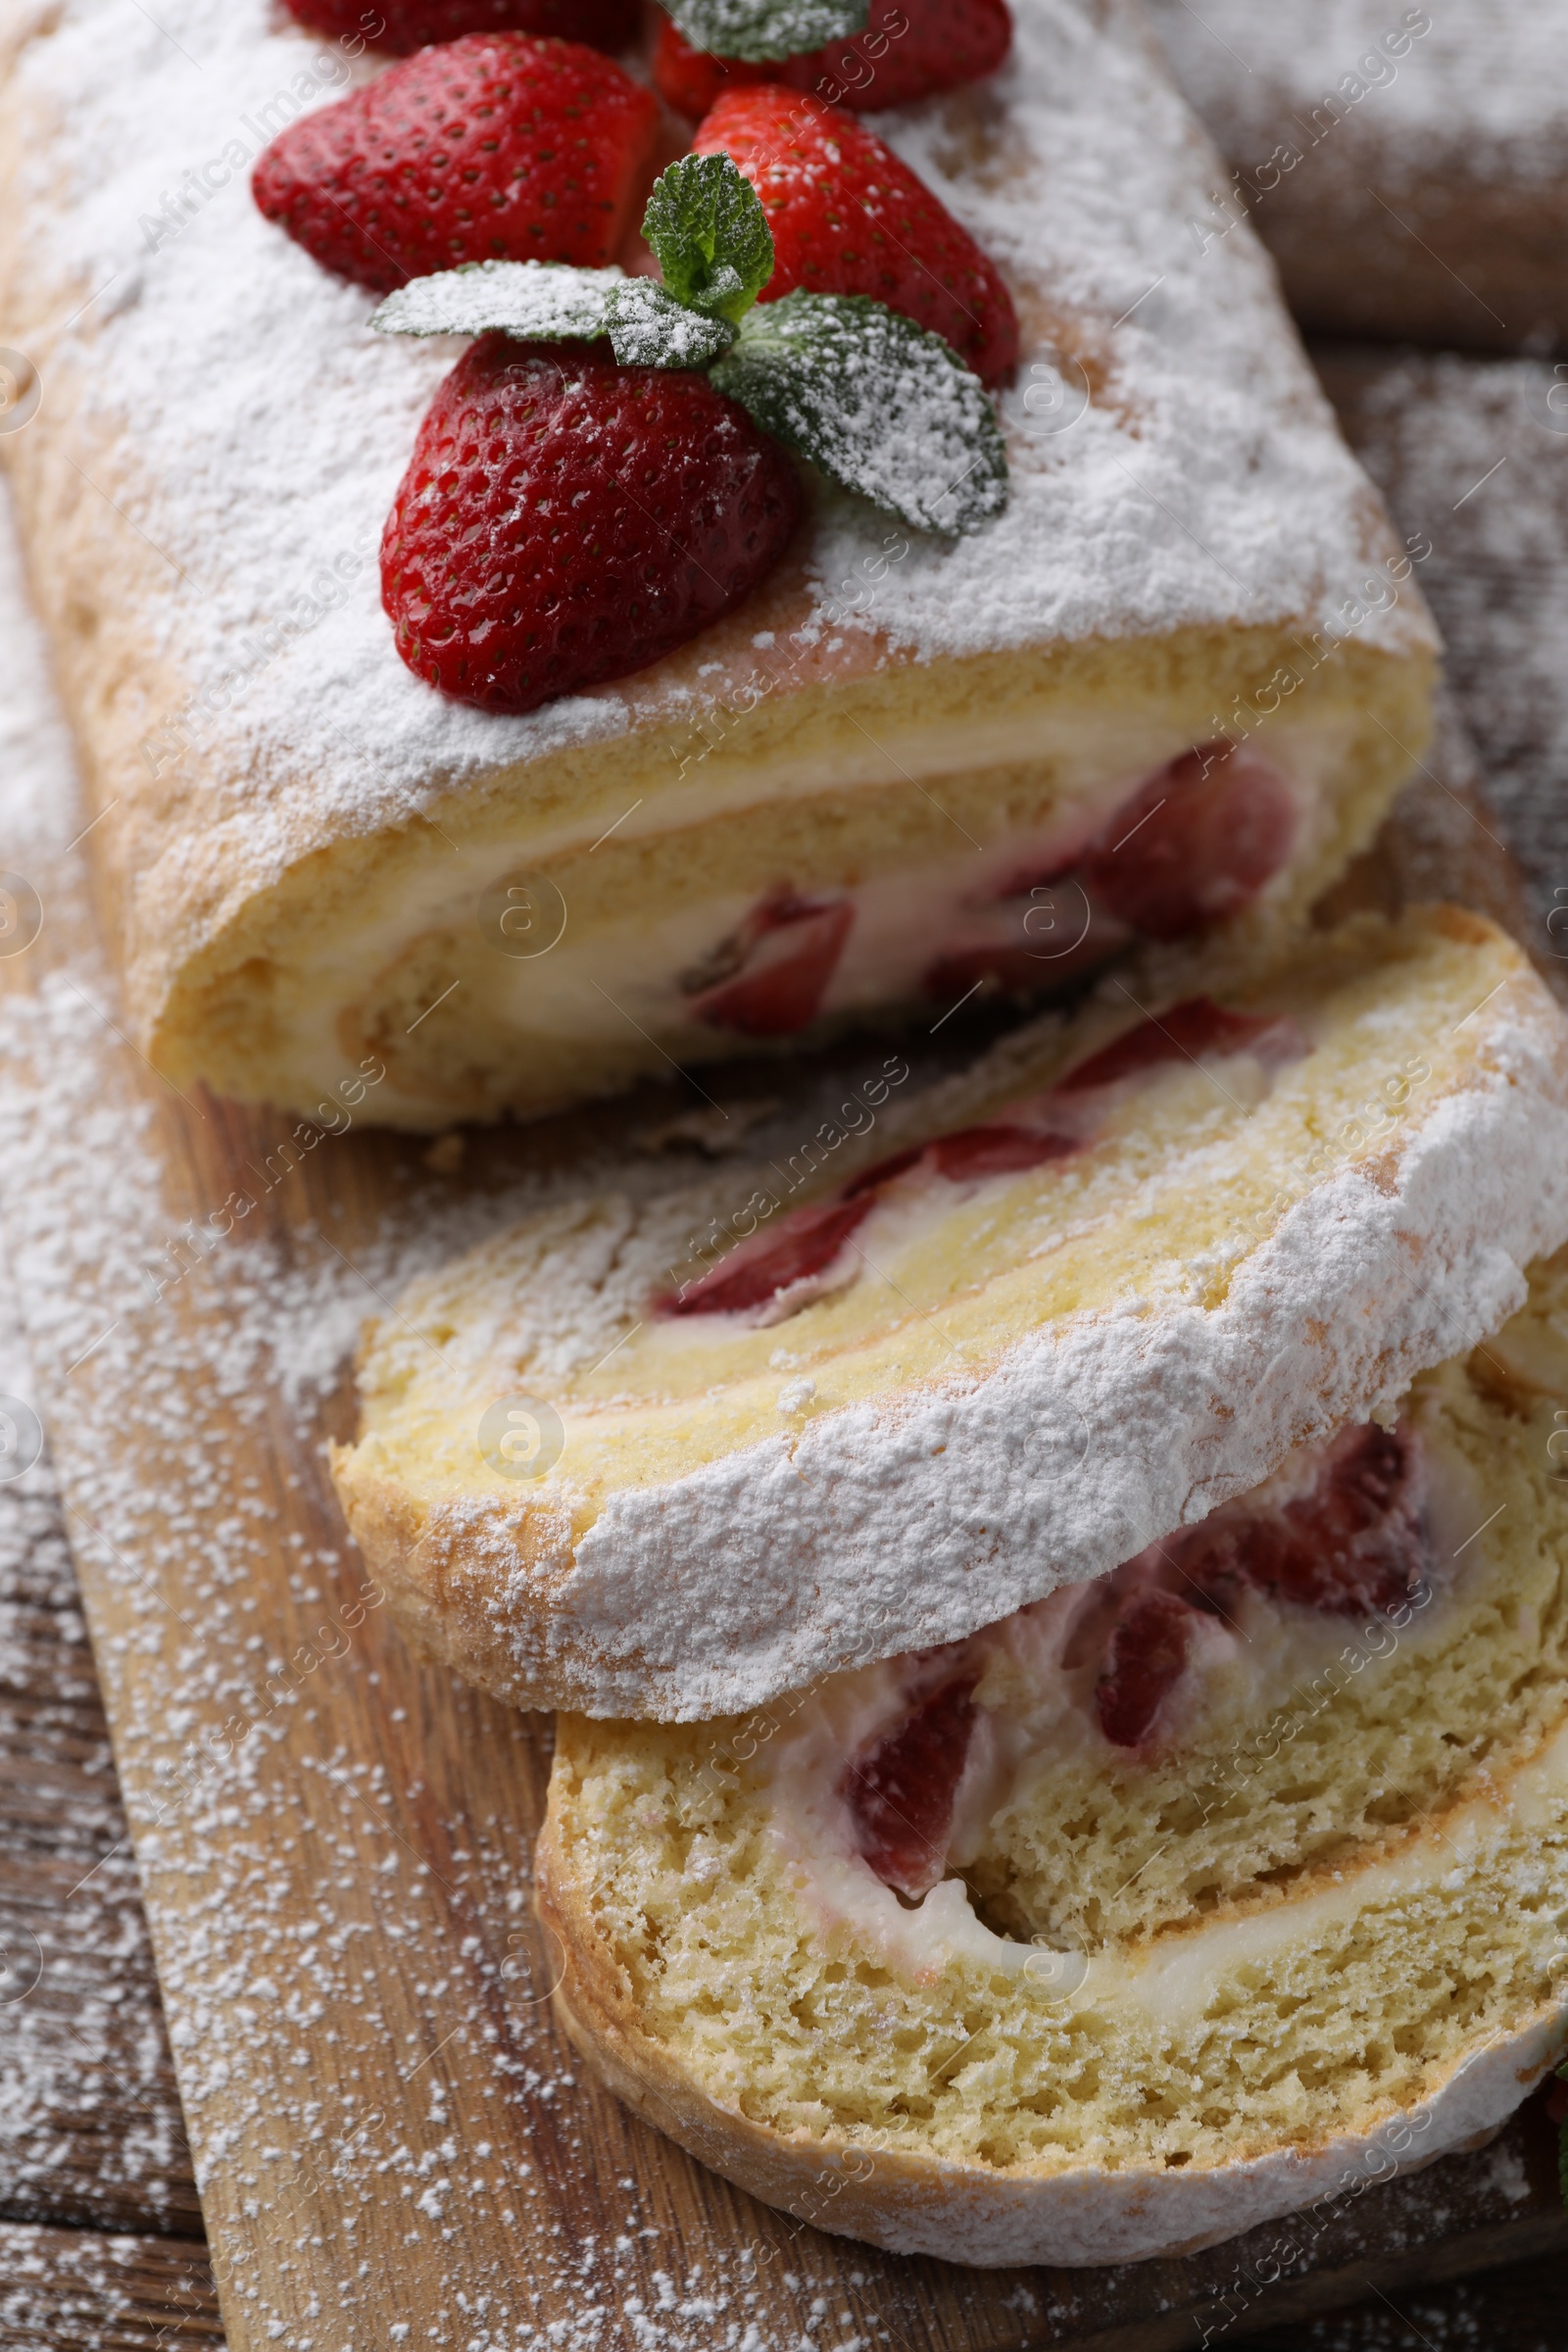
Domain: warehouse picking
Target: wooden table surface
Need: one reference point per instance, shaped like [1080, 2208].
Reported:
[100, 2230]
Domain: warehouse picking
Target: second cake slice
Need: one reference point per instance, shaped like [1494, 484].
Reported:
[667, 1455]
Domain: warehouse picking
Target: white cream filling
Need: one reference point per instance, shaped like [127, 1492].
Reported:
[1035, 1697]
[1177, 1979]
[592, 985]
[901, 922]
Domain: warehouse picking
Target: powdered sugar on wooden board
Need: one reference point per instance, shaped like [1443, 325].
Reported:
[89, 2123]
[1461, 72]
[175, 1504]
[1473, 456]
[180, 1520]
[255, 431]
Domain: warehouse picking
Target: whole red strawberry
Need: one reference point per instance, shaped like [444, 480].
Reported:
[496, 147]
[848, 218]
[691, 79]
[565, 520]
[406, 24]
[910, 49]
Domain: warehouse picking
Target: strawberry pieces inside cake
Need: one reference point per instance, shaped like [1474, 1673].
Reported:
[901, 1791]
[1160, 867]
[773, 971]
[812, 1248]
[1340, 1533]
[1196, 841]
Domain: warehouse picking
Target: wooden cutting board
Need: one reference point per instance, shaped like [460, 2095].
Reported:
[393, 2143]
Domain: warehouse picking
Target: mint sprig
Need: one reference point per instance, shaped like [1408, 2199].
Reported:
[880, 406]
[765, 30]
[710, 236]
[538, 301]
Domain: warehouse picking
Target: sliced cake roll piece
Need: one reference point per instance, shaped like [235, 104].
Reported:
[1216, 1888]
[669, 1455]
[1176, 679]
[1408, 168]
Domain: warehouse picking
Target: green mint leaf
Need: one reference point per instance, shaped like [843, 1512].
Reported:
[650, 328]
[880, 404]
[761, 31]
[710, 236]
[539, 302]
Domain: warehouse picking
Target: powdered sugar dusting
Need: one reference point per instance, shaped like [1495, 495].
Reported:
[89, 2123]
[526, 298]
[650, 328]
[877, 402]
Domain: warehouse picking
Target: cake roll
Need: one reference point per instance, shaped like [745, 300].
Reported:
[667, 1454]
[1165, 692]
[1406, 167]
[1213, 1891]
